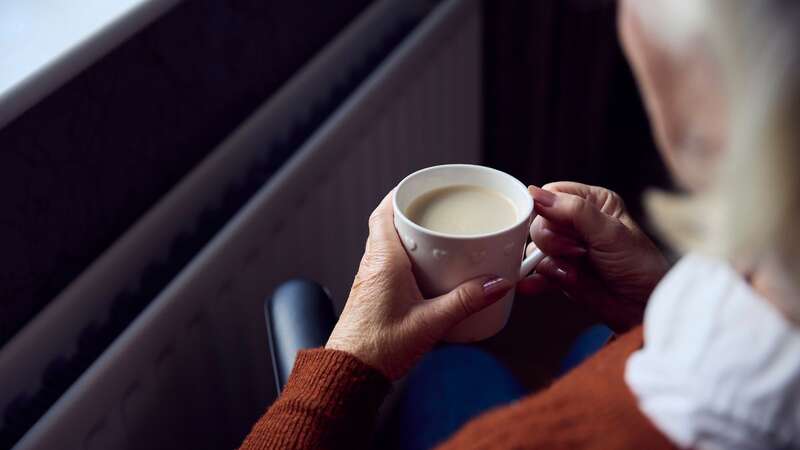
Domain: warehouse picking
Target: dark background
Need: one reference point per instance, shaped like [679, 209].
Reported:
[560, 104]
[83, 165]
[80, 167]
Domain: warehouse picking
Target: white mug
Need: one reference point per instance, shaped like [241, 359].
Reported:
[443, 261]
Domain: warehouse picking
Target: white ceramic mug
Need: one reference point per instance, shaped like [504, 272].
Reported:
[443, 261]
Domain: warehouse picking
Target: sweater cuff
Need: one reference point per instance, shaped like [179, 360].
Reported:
[338, 381]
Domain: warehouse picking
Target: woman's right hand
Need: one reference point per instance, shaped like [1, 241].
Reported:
[596, 254]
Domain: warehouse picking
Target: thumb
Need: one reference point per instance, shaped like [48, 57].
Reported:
[468, 298]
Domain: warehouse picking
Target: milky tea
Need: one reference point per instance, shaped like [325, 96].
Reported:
[463, 210]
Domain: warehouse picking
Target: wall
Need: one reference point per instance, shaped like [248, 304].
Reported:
[79, 168]
[560, 101]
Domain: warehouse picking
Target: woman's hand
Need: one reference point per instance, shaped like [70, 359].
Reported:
[596, 253]
[386, 323]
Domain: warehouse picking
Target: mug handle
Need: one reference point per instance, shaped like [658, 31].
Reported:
[530, 263]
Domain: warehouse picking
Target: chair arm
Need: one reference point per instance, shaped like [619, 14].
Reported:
[299, 315]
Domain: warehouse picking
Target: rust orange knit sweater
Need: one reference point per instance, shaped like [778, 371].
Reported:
[331, 400]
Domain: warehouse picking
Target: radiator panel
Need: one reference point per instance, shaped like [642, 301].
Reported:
[193, 369]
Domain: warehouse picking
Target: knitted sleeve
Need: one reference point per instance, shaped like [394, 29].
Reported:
[330, 402]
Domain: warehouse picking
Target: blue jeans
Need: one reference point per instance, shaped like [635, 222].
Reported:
[451, 385]
[455, 383]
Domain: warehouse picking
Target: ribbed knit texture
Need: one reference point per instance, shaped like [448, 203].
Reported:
[591, 407]
[331, 400]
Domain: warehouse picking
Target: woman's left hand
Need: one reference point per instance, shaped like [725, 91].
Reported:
[386, 322]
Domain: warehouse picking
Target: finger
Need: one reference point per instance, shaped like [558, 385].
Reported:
[381, 226]
[534, 284]
[606, 200]
[569, 187]
[554, 244]
[559, 272]
[470, 297]
[571, 210]
[566, 231]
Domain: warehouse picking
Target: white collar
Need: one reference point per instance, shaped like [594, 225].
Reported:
[720, 368]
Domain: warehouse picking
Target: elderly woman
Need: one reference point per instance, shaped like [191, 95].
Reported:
[716, 362]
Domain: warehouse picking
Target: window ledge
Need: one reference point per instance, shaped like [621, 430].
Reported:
[44, 43]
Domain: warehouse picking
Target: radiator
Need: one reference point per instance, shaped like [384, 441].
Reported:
[192, 370]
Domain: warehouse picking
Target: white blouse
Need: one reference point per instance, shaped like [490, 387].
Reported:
[720, 368]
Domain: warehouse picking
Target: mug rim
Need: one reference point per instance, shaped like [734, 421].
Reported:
[421, 229]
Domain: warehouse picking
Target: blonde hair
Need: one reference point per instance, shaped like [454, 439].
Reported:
[752, 206]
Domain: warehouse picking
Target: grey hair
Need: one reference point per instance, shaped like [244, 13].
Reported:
[752, 208]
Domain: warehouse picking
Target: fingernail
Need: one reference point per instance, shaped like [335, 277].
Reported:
[562, 270]
[495, 287]
[542, 197]
[576, 250]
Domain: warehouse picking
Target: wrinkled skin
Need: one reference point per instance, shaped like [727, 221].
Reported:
[597, 255]
[386, 322]
[682, 90]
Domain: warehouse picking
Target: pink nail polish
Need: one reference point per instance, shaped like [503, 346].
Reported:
[495, 287]
[542, 197]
